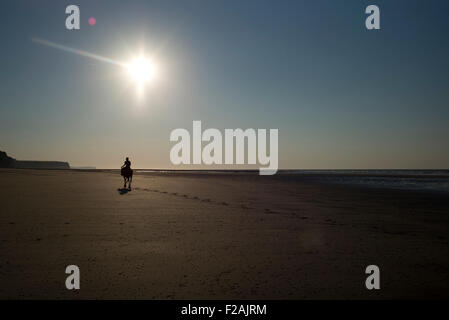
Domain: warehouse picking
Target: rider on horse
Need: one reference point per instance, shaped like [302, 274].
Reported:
[127, 172]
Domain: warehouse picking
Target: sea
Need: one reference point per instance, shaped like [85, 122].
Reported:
[410, 179]
[415, 180]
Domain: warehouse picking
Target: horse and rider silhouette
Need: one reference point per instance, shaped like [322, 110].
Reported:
[127, 173]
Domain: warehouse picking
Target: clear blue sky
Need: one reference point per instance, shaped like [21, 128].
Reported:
[340, 95]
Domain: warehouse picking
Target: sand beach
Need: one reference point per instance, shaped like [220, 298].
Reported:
[216, 236]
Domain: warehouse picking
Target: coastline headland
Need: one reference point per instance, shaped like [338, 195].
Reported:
[8, 162]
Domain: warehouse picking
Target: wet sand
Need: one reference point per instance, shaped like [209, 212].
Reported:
[216, 236]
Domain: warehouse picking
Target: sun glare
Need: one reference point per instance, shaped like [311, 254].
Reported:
[141, 70]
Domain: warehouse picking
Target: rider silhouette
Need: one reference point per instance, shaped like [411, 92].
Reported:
[127, 164]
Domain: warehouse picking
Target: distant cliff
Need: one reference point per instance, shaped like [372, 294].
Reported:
[8, 162]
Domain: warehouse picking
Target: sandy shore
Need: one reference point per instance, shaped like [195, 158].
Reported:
[216, 236]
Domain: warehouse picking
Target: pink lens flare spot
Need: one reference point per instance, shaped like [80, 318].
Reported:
[92, 21]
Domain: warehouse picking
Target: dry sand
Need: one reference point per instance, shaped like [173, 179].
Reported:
[216, 236]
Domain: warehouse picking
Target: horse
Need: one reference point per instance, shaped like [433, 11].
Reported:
[127, 174]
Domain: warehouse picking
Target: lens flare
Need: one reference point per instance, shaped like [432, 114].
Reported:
[141, 70]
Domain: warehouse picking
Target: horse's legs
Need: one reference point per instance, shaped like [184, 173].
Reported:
[130, 179]
[124, 181]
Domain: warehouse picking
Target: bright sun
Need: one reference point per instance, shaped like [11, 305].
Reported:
[141, 70]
